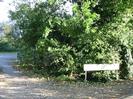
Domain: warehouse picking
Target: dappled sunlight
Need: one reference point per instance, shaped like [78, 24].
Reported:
[23, 87]
[62, 42]
[14, 88]
[24, 79]
[47, 92]
[14, 85]
[3, 84]
[128, 97]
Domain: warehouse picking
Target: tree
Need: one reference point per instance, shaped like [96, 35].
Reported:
[6, 43]
[59, 44]
[116, 24]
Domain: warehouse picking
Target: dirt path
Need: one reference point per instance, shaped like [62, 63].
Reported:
[13, 85]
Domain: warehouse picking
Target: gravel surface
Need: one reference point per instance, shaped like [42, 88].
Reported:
[14, 85]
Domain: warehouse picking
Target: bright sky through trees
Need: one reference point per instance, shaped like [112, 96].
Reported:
[4, 8]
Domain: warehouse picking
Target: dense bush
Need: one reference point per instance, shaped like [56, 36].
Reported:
[60, 44]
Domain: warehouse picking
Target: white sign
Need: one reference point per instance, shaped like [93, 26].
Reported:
[98, 67]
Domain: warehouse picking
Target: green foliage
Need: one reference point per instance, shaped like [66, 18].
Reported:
[6, 43]
[120, 35]
[60, 44]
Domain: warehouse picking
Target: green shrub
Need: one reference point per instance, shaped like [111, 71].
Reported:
[60, 44]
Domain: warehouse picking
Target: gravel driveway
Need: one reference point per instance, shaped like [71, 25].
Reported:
[14, 85]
